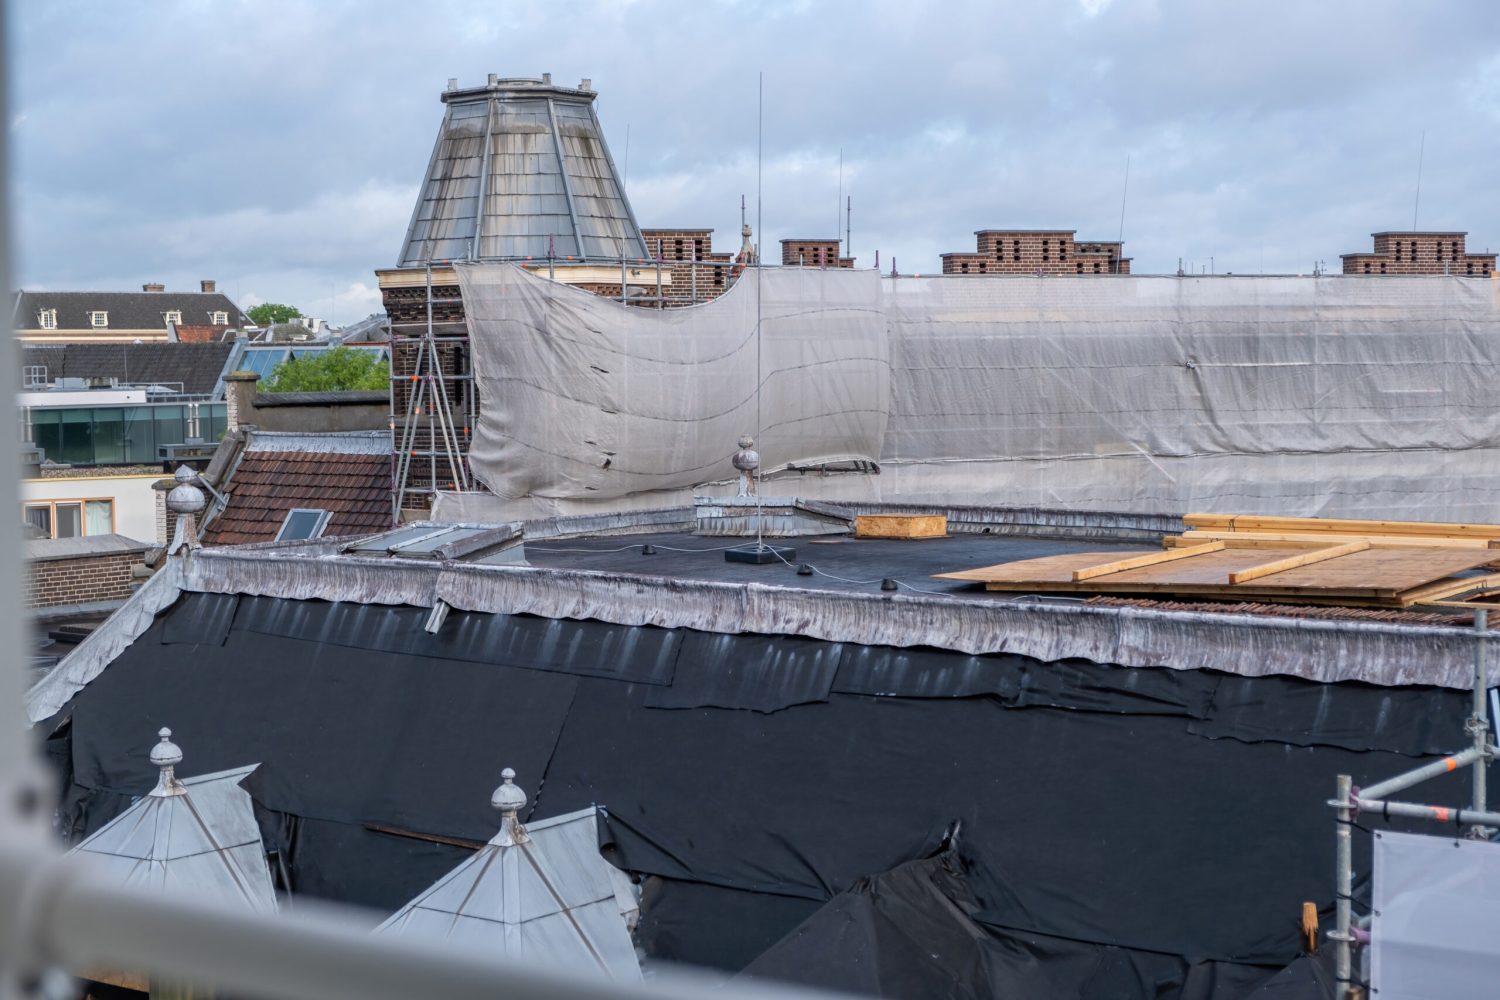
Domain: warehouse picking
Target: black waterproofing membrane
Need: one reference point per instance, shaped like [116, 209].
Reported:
[1158, 829]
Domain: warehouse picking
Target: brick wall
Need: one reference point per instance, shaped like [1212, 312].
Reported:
[53, 583]
[698, 274]
[813, 253]
[1025, 251]
[1420, 253]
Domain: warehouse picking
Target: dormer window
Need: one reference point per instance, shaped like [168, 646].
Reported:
[219, 318]
[98, 318]
[172, 317]
[47, 319]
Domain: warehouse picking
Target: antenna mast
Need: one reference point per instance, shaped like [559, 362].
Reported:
[1421, 152]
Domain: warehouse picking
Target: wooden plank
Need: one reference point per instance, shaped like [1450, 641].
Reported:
[1443, 589]
[1198, 535]
[901, 526]
[1294, 562]
[1058, 568]
[1150, 559]
[1263, 522]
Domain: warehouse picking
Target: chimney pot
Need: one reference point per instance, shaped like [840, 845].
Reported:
[208, 285]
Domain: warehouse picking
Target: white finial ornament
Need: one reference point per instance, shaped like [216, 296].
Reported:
[510, 800]
[747, 460]
[185, 500]
[166, 755]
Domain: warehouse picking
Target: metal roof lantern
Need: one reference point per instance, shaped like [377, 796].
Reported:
[520, 170]
[166, 755]
[186, 497]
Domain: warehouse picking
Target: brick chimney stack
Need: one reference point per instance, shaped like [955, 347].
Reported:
[208, 285]
[239, 399]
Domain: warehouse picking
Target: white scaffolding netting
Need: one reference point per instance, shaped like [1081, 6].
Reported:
[582, 397]
[1334, 396]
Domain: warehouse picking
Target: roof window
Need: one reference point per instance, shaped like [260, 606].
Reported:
[303, 522]
[98, 318]
[47, 319]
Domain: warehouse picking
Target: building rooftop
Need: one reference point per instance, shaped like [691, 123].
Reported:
[196, 368]
[344, 477]
[127, 310]
[520, 169]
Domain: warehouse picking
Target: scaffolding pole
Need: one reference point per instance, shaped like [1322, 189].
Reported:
[1350, 801]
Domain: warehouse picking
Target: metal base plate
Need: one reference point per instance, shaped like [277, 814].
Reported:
[760, 555]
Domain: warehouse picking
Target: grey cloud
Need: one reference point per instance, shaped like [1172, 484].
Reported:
[278, 145]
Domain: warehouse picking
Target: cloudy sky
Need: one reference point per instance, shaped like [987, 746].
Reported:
[277, 146]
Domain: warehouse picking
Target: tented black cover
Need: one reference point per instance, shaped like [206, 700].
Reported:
[911, 933]
[1163, 825]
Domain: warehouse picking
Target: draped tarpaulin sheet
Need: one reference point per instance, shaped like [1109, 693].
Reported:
[585, 397]
[1341, 396]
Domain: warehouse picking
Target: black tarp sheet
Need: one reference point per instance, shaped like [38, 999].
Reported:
[911, 933]
[1097, 811]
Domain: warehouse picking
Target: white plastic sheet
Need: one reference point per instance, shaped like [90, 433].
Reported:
[1436, 904]
[585, 397]
[1340, 396]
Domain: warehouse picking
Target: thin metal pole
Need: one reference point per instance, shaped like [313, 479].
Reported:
[1343, 886]
[760, 444]
[1418, 775]
[1479, 723]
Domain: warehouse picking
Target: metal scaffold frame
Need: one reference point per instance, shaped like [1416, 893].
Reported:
[1350, 932]
[428, 397]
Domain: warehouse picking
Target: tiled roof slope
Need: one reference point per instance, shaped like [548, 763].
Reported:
[196, 366]
[355, 489]
[201, 334]
[127, 310]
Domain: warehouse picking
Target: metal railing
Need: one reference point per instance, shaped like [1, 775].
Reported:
[1349, 932]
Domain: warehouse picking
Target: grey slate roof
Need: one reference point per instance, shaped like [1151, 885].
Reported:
[518, 165]
[196, 366]
[127, 310]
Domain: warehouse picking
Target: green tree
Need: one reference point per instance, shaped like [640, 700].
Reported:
[270, 313]
[341, 368]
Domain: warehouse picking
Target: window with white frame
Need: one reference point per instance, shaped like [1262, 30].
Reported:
[172, 316]
[33, 375]
[98, 317]
[71, 518]
[47, 319]
[303, 522]
[219, 318]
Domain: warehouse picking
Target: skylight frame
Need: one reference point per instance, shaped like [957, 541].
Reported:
[318, 528]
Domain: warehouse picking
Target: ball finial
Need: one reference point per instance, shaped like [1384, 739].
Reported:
[508, 798]
[186, 497]
[166, 753]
